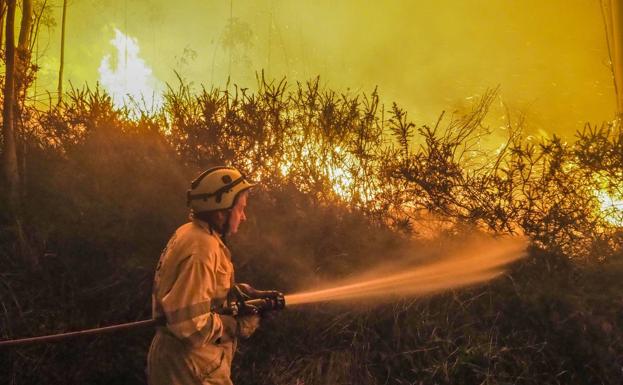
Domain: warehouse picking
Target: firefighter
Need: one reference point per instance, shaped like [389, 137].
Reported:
[193, 277]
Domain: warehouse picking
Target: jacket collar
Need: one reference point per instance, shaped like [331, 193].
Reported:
[208, 228]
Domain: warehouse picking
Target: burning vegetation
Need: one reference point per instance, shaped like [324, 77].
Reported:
[360, 216]
[346, 184]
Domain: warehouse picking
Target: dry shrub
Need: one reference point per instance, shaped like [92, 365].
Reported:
[343, 180]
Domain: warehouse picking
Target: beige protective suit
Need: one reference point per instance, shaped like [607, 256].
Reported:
[193, 276]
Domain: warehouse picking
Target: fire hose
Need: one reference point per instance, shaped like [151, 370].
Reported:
[242, 300]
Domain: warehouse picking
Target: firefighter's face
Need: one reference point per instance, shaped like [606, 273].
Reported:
[237, 215]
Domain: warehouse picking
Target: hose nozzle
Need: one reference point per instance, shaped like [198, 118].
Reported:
[246, 300]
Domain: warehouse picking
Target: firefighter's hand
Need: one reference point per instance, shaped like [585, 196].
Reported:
[230, 328]
[242, 326]
[247, 325]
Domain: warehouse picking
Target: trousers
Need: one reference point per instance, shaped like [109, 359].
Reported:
[172, 361]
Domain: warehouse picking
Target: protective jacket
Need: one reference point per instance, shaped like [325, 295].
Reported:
[193, 276]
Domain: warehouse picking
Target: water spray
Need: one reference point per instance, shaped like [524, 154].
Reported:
[476, 263]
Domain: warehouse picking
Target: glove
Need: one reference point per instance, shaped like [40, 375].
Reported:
[230, 328]
[242, 326]
[247, 325]
[245, 291]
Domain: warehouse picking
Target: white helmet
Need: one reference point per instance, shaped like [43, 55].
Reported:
[216, 189]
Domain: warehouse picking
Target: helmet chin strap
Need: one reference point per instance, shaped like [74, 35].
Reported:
[225, 228]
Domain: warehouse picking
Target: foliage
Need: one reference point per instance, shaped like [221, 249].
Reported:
[345, 182]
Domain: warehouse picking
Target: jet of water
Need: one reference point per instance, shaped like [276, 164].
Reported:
[476, 262]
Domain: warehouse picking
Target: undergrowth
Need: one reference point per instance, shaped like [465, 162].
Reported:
[346, 182]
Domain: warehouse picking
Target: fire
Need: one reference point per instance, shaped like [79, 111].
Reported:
[340, 178]
[611, 208]
[130, 82]
[610, 200]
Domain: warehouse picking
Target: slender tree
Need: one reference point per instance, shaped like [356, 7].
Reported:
[9, 150]
[17, 60]
[617, 17]
[62, 65]
[23, 52]
[612, 11]
[2, 15]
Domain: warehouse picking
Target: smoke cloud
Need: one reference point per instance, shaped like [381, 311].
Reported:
[549, 58]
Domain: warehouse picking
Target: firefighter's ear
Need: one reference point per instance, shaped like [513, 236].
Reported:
[221, 215]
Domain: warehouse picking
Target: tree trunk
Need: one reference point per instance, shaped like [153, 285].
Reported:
[22, 64]
[2, 15]
[10, 164]
[9, 151]
[613, 20]
[60, 69]
[23, 51]
[617, 18]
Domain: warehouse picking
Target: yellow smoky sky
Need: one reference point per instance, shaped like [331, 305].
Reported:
[549, 57]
